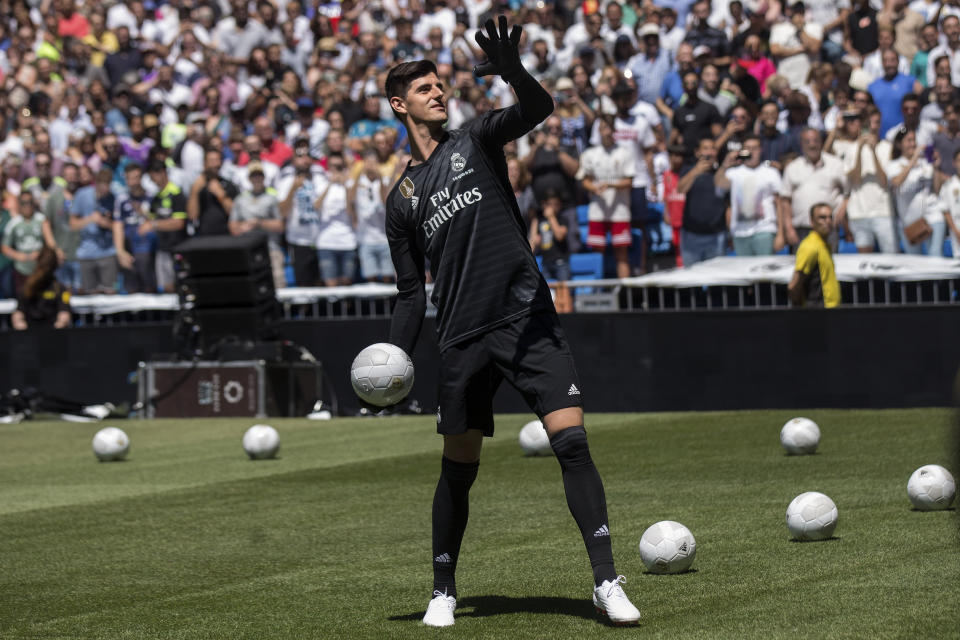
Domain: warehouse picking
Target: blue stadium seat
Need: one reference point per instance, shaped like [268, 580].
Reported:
[288, 274]
[582, 213]
[846, 247]
[586, 266]
[584, 229]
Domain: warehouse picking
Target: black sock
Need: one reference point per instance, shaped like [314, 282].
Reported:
[586, 499]
[451, 506]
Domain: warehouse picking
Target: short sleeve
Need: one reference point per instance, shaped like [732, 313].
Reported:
[585, 169]
[786, 184]
[806, 258]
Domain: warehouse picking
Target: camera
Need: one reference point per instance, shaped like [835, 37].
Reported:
[743, 154]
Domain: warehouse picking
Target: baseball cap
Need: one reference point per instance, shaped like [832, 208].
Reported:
[564, 84]
[649, 29]
[702, 50]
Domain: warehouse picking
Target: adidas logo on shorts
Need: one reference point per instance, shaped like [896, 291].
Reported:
[573, 391]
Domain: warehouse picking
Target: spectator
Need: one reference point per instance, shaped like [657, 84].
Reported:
[911, 182]
[754, 210]
[694, 120]
[868, 206]
[606, 173]
[777, 146]
[6, 264]
[860, 31]
[888, 92]
[710, 92]
[134, 239]
[702, 34]
[550, 238]
[946, 141]
[366, 195]
[811, 178]
[950, 48]
[906, 25]
[929, 38]
[672, 90]
[814, 282]
[23, 238]
[795, 44]
[831, 15]
[298, 193]
[211, 197]
[91, 214]
[872, 66]
[336, 238]
[168, 219]
[704, 226]
[576, 118]
[950, 198]
[257, 209]
[43, 301]
[673, 200]
[650, 67]
[753, 60]
[551, 165]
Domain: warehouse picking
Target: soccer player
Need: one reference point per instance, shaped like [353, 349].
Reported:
[454, 205]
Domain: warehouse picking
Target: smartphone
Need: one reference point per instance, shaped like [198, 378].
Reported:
[744, 154]
[928, 153]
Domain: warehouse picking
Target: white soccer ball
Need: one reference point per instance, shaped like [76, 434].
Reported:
[812, 516]
[261, 441]
[800, 436]
[931, 487]
[111, 443]
[382, 374]
[667, 547]
[534, 439]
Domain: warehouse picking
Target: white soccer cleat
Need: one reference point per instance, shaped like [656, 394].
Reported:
[610, 599]
[440, 610]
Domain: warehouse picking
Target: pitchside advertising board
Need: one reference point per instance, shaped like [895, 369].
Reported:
[253, 388]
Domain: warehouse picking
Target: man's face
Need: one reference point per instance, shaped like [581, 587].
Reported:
[797, 18]
[943, 90]
[701, 11]
[822, 220]
[424, 100]
[651, 44]
[134, 177]
[756, 151]
[951, 116]
[251, 145]
[811, 144]
[211, 162]
[911, 111]
[707, 150]
[951, 29]
[25, 205]
[884, 39]
[371, 108]
[593, 24]
[263, 130]
[43, 166]
[685, 56]
[930, 37]
[614, 15]
[381, 144]
[690, 84]
[256, 181]
[710, 78]
[606, 134]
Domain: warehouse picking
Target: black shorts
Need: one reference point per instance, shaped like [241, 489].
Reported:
[531, 353]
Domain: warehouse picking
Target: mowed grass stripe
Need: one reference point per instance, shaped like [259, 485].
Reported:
[280, 555]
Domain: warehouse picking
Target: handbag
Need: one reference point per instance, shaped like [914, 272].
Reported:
[917, 231]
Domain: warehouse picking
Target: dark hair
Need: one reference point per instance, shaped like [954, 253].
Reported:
[897, 150]
[818, 205]
[401, 76]
[910, 97]
[133, 166]
[750, 136]
[608, 119]
[42, 276]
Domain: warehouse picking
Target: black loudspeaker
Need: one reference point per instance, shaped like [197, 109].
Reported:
[222, 255]
[226, 291]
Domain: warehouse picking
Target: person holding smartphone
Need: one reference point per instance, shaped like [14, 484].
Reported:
[753, 188]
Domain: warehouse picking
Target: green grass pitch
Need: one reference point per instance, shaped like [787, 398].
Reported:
[190, 539]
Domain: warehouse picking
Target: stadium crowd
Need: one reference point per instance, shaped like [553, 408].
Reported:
[126, 127]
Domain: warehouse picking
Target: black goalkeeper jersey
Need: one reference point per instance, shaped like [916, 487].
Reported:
[458, 210]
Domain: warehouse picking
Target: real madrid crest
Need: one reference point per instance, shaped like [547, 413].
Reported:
[458, 162]
[406, 187]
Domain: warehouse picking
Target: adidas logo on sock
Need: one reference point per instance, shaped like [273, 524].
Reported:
[602, 531]
[573, 390]
[444, 558]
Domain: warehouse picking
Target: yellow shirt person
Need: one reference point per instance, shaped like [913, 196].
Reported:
[814, 281]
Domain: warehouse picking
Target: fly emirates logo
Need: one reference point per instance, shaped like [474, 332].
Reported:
[445, 206]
